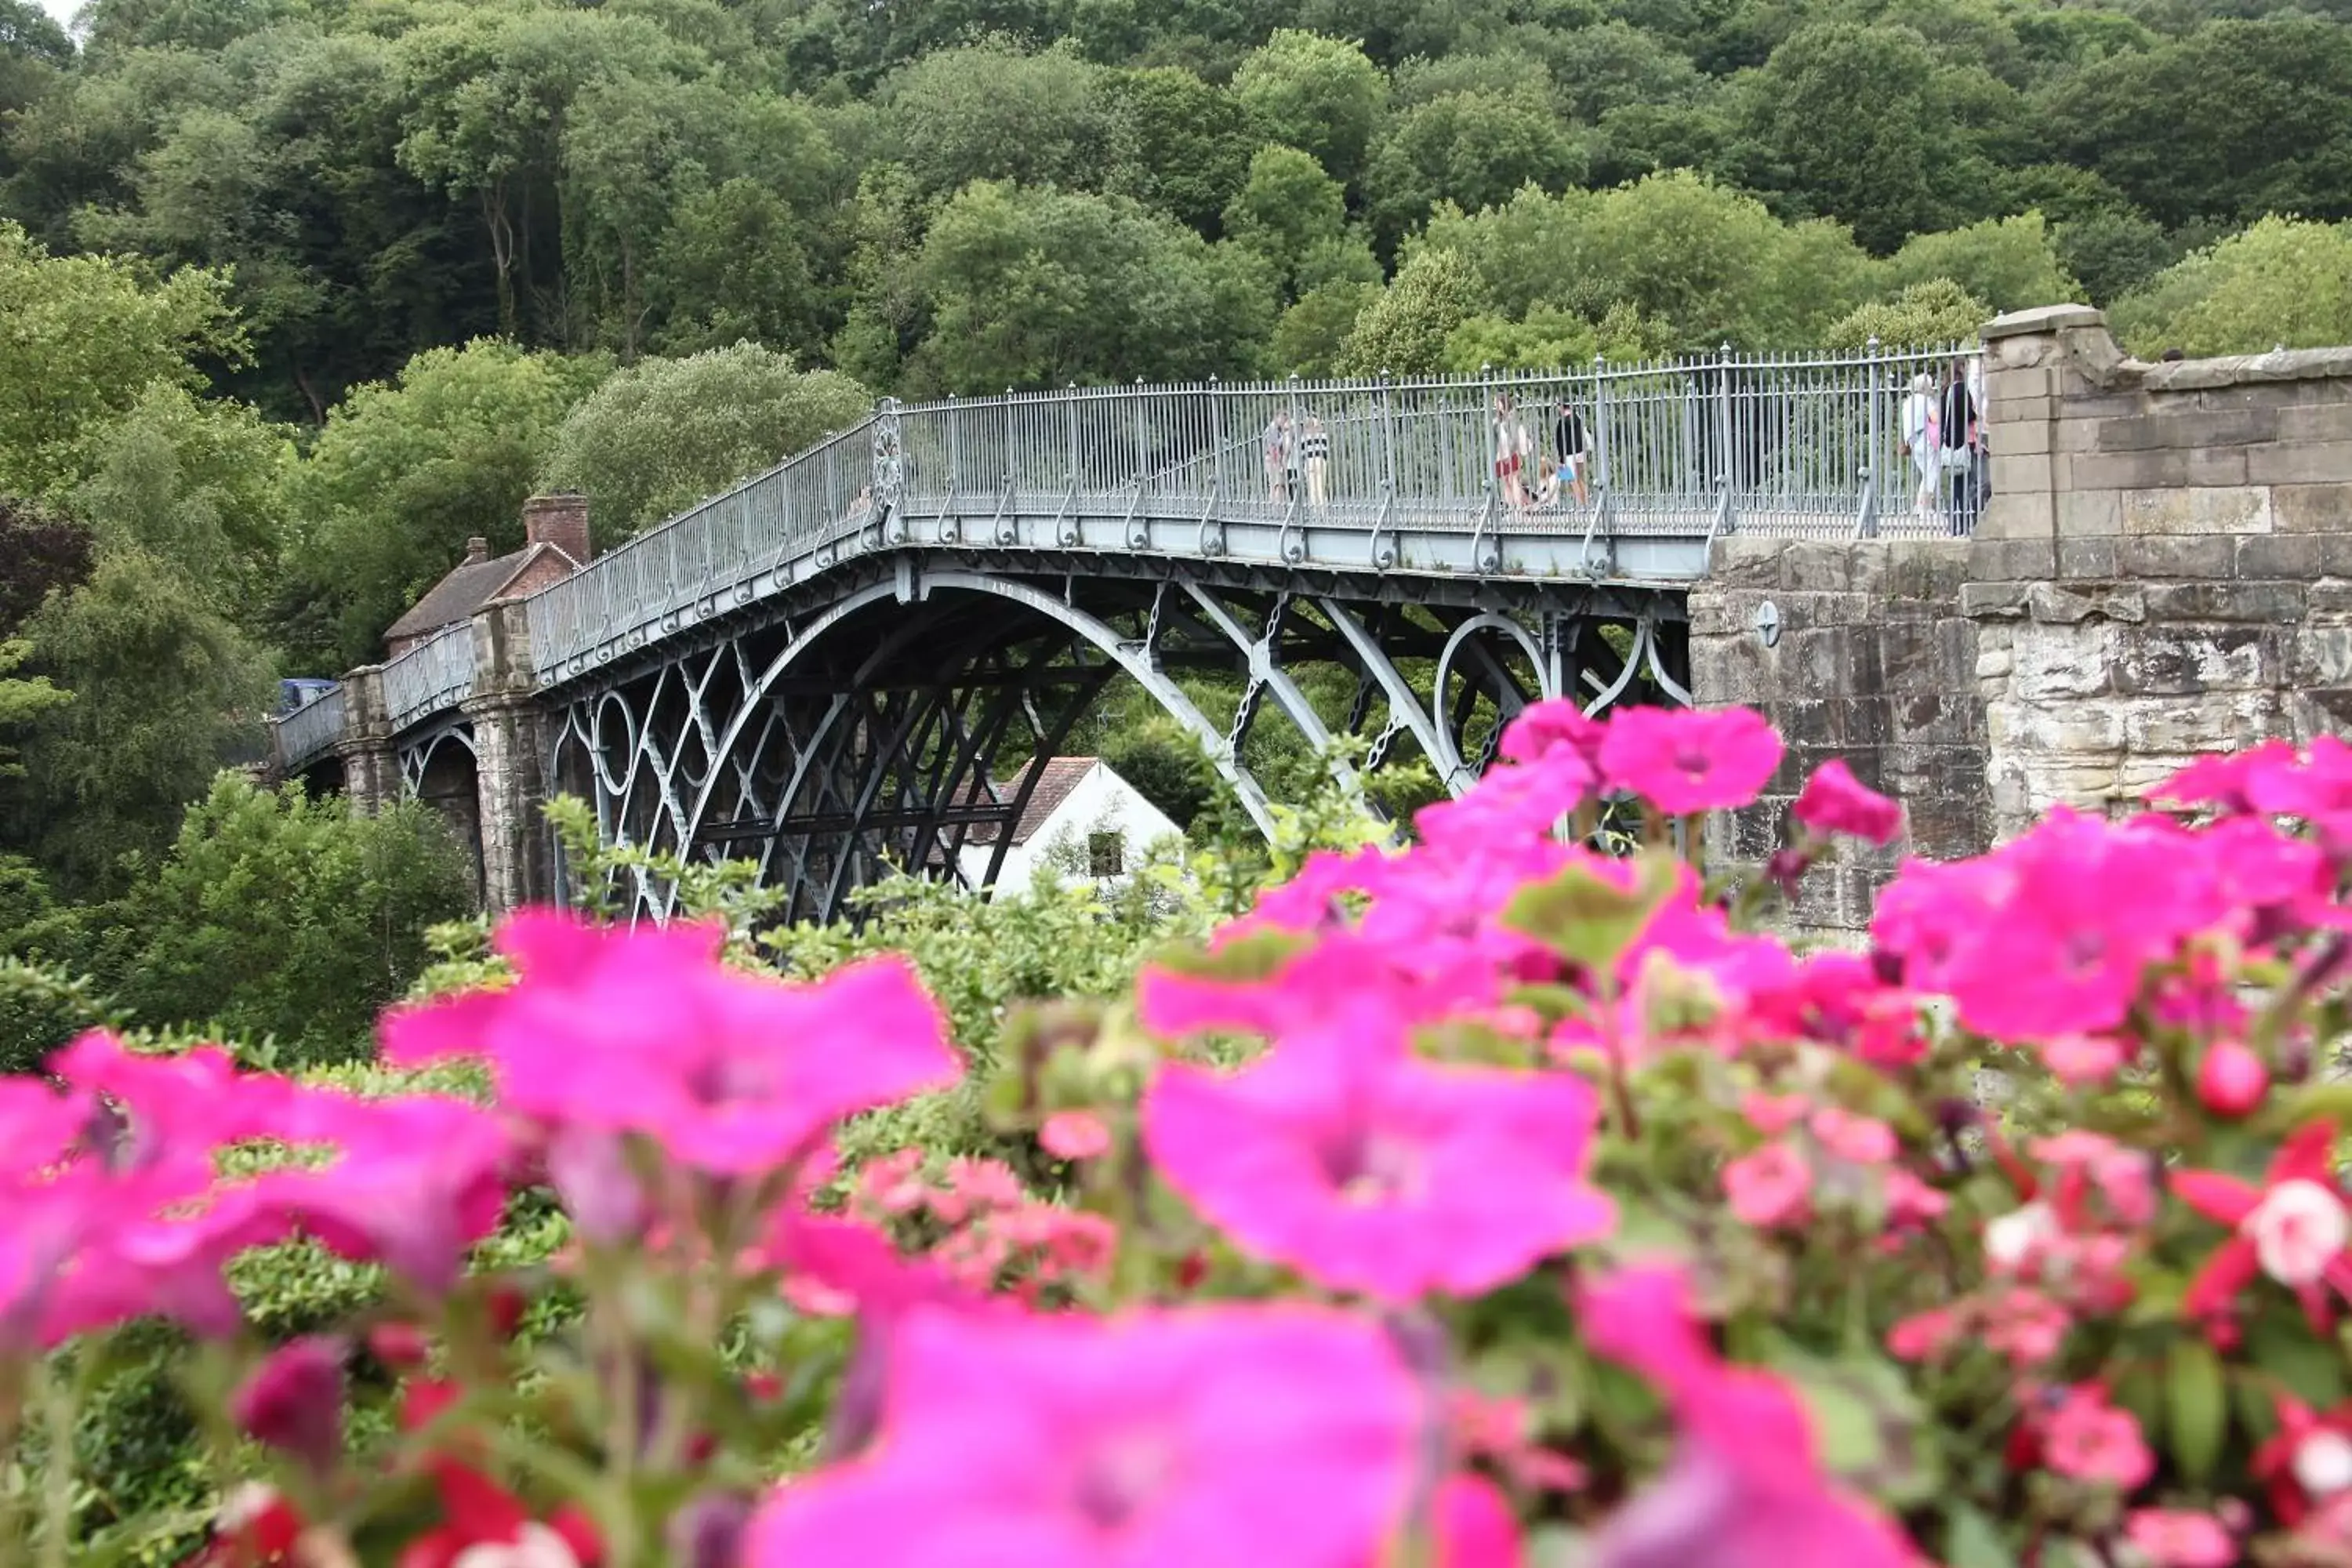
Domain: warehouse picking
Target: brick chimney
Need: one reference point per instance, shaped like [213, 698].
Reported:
[561, 520]
[477, 549]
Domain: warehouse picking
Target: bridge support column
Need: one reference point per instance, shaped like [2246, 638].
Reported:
[370, 765]
[510, 750]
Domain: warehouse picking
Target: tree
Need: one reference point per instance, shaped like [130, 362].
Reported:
[2009, 263]
[2113, 252]
[1030, 288]
[405, 473]
[1845, 110]
[272, 915]
[2280, 282]
[665, 433]
[1935, 314]
[165, 691]
[1286, 208]
[1311, 334]
[1616, 65]
[993, 112]
[1403, 331]
[84, 337]
[33, 54]
[1553, 338]
[1320, 95]
[1177, 143]
[40, 553]
[22, 699]
[2233, 120]
[1472, 149]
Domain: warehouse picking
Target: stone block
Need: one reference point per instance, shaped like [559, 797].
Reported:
[2016, 404]
[2024, 473]
[1993, 600]
[2057, 605]
[2164, 555]
[2312, 463]
[1815, 724]
[1994, 662]
[2053, 664]
[2177, 510]
[2260, 603]
[1734, 672]
[2313, 509]
[2074, 434]
[2296, 557]
[1745, 561]
[2172, 661]
[2084, 514]
[2021, 515]
[2010, 560]
[2026, 438]
[2190, 428]
[2217, 465]
[2029, 335]
[2327, 601]
[2320, 657]
[2316, 422]
[2093, 558]
[2087, 730]
[1810, 567]
[2161, 468]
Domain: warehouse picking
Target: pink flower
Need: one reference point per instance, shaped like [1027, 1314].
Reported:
[1860, 1138]
[2292, 1228]
[2082, 1060]
[1923, 1336]
[2088, 1439]
[1684, 761]
[1153, 1440]
[1074, 1135]
[1745, 1489]
[644, 1030]
[1773, 1114]
[1772, 1186]
[1552, 724]
[1342, 1155]
[2231, 1079]
[1475, 1528]
[1910, 1201]
[417, 1181]
[294, 1401]
[2222, 780]
[1834, 801]
[2176, 1538]
[1521, 802]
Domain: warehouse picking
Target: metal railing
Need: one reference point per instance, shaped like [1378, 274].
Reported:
[437, 673]
[309, 732]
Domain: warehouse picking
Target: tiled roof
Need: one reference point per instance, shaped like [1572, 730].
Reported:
[469, 587]
[1061, 775]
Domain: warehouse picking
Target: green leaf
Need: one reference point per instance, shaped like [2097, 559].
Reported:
[2312, 1368]
[2197, 1402]
[1972, 1540]
[1584, 917]
[1871, 1429]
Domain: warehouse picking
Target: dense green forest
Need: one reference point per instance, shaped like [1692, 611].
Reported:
[296, 296]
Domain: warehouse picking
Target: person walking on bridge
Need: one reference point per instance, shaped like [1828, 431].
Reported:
[1923, 443]
[1510, 453]
[1278, 457]
[1571, 444]
[1313, 457]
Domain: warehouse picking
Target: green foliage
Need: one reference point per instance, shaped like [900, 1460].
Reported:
[2009, 263]
[22, 699]
[2281, 282]
[1038, 287]
[1932, 315]
[277, 918]
[1472, 149]
[663, 434]
[995, 112]
[1285, 210]
[405, 473]
[1323, 96]
[1404, 330]
[86, 337]
[1551, 337]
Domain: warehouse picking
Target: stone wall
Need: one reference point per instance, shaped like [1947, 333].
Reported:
[1856, 650]
[2166, 568]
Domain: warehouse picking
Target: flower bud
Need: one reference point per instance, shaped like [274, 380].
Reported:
[400, 1346]
[294, 1401]
[2231, 1080]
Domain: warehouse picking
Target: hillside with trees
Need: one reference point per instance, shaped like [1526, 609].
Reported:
[301, 295]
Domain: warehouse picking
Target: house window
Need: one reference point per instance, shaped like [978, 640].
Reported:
[1106, 855]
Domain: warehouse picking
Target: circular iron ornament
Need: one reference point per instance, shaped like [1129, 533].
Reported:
[1767, 624]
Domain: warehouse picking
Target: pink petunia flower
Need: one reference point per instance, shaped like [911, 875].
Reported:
[1553, 724]
[2088, 1439]
[1284, 1434]
[2294, 1228]
[644, 1030]
[1342, 1155]
[2177, 1538]
[1834, 801]
[1684, 759]
[1074, 1135]
[1745, 1489]
[1860, 1139]
[1770, 1187]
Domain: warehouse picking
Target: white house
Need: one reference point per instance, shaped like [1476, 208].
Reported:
[1082, 819]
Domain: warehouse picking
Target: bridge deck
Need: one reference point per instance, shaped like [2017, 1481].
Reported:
[1366, 476]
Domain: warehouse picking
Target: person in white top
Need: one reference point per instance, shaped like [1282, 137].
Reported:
[1511, 447]
[1923, 443]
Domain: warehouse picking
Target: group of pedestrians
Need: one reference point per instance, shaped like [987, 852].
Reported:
[1943, 435]
[1293, 455]
[1302, 453]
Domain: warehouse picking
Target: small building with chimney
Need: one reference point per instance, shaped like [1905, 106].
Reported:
[555, 534]
[1081, 820]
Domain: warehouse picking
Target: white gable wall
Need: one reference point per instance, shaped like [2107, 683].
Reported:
[1102, 803]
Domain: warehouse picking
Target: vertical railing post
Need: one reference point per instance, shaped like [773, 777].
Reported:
[1723, 418]
[1387, 435]
[1070, 419]
[1874, 423]
[1600, 418]
[1216, 433]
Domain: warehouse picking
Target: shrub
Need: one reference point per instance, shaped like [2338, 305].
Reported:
[1545, 1202]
